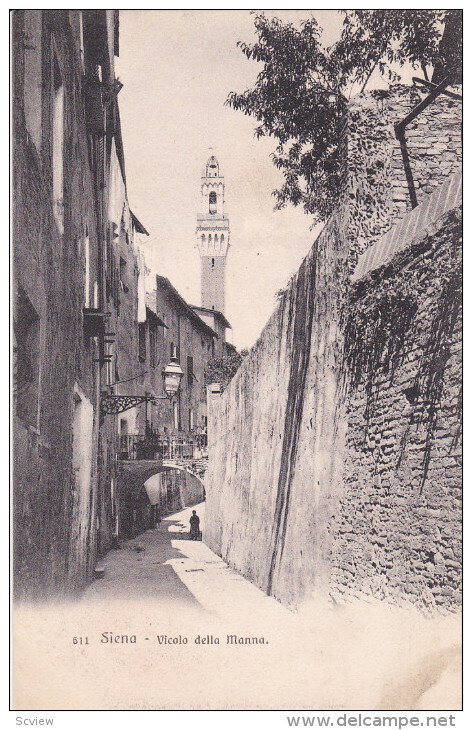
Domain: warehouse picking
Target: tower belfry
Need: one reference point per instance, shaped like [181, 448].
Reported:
[212, 237]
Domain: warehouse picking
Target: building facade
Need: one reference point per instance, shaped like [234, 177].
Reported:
[186, 338]
[219, 324]
[90, 346]
[75, 281]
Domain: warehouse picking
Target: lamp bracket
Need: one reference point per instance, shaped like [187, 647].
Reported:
[111, 404]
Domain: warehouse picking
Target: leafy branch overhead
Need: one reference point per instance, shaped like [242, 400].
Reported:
[301, 93]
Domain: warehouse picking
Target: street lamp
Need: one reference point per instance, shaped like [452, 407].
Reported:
[111, 404]
[172, 376]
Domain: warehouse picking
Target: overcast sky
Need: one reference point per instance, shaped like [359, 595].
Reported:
[177, 68]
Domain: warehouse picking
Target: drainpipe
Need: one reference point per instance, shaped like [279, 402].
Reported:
[401, 127]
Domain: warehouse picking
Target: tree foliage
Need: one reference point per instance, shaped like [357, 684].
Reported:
[221, 369]
[300, 95]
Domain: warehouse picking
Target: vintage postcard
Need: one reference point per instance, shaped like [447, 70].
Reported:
[236, 349]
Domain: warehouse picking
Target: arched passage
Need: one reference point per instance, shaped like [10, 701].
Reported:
[149, 491]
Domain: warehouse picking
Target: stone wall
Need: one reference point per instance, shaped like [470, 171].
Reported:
[377, 187]
[296, 493]
[397, 533]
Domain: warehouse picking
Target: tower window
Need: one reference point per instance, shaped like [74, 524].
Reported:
[212, 202]
[212, 167]
[213, 263]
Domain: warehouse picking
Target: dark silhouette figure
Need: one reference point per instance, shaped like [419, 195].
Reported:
[194, 526]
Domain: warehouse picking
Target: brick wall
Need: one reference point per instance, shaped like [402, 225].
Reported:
[397, 533]
[377, 188]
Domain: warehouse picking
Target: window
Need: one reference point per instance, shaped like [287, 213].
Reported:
[213, 263]
[26, 329]
[81, 40]
[58, 146]
[176, 416]
[152, 345]
[212, 202]
[123, 286]
[174, 352]
[32, 87]
[109, 362]
[142, 341]
[112, 271]
[87, 270]
[190, 373]
[89, 296]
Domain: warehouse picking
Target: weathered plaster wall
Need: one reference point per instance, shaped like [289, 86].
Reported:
[49, 268]
[274, 436]
[291, 489]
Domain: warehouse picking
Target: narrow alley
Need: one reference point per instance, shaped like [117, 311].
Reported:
[196, 633]
[165, 567]
[266, 333]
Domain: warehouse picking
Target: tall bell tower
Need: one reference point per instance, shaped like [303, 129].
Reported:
[213, 236]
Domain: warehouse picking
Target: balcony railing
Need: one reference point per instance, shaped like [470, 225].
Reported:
[137, 447]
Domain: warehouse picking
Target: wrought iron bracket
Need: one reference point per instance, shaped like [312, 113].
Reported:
[111, 404]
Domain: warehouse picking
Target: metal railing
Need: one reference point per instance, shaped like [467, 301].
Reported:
[138, 446]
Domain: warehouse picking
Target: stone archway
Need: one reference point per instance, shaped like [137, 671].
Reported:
[150, 490]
